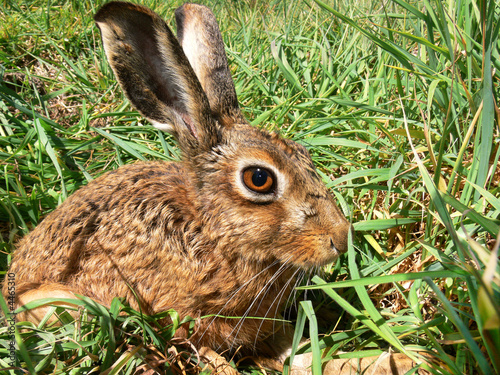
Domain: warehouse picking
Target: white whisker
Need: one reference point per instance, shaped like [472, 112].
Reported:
[277, 299]
[263, 292]
[234, 294]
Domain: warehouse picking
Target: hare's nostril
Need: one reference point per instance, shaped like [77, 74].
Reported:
[332, 246]
[338, 239]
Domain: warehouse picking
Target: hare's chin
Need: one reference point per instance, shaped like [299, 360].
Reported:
[332, 257]
[314, 263]
[336, 252]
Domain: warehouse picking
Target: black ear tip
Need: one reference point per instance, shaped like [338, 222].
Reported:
[180, 13]
[193, 10]
[180, 17]
[114, 8]
[103, 12]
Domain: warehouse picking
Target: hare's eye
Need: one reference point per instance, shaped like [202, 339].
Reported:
[259, 180]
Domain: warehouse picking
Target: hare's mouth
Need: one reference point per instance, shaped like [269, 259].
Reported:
[333, 248]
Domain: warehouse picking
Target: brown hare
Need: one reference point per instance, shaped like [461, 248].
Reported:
[223, 232]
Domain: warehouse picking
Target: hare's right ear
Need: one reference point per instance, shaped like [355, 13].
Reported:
[155, 74]
[200, 38]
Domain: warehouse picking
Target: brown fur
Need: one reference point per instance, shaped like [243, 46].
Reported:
[187, 235]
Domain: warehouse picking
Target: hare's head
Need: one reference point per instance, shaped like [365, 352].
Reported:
[259, 195]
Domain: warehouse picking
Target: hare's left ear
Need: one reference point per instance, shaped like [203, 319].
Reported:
[156, 76]
[201, 40]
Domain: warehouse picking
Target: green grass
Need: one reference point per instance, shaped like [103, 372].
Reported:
[398, 106]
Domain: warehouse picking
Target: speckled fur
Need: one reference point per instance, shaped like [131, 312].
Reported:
[185, 235]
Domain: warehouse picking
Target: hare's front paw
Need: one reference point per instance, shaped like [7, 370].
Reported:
[385, 364]
[302, 364]
[216, 362]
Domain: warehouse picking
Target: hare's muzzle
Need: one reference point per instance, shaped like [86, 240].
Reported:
[339, 238]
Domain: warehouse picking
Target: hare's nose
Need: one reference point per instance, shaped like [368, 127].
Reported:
[338, 241]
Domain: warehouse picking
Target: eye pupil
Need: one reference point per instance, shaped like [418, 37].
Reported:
[259, 177]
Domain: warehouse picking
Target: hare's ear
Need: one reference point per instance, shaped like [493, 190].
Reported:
[155, 74]
[200, 37]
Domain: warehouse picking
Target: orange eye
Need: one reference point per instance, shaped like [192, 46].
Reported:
[259, 180]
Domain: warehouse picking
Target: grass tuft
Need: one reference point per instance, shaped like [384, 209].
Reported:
[397, 103]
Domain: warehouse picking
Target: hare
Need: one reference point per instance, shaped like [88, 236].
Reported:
[223, 232]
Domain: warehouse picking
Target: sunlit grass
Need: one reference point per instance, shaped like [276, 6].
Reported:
[398, 105]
